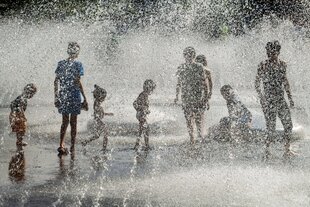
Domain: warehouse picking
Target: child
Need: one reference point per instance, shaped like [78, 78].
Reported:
[240, 118]
[17, 117]
[68, 97]
[271, 84]
[141, 104]
[99, 126]
[193, 85]
[203, 60]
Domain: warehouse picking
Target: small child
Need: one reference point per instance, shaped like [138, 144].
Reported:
[17, 117]
[141, 104]
[240, 118]
[99, 127]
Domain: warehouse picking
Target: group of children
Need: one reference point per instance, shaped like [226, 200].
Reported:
[68, 90]
[18, 120]
[194, 84]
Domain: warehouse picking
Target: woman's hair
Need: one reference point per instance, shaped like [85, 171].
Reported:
[202, 59]
[73, 48]
[99, 92]
[149, 85]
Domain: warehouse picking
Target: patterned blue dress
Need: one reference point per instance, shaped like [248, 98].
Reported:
[67, 73]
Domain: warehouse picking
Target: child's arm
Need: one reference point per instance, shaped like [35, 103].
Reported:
[258, 81]
[205, 89]
[177, 90]
[210, 84]
[178, 86]
[287, 88]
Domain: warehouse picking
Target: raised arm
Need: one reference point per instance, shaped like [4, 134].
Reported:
[178, 89]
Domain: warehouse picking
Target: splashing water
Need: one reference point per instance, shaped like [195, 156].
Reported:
[170, 175]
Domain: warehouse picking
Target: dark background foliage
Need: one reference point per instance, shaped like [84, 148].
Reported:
[213, 18]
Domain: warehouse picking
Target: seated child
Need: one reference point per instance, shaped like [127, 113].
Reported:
[141, 104]
[99, 127]
[238, 123]
[17, 117]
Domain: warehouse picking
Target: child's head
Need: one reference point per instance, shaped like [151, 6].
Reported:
[273, 49]
[73, 49]
[149, 86]
[99, 93]
[202, 59]
[189, 53]
[29, 90]
[227, 92]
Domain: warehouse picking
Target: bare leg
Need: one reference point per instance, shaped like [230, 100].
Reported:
[105, 138]
[63, 129]
[287, 144]
[85, 142]
[73, 122]
[142, 122]
[146, 135]
[189, 123]
[285, 117]
[137, 144]
[270, 117]
[19, 139]
[199, 119]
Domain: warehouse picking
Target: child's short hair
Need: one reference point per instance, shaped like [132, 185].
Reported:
[273, 46]
[189, 52]
[99, 92]
[226, 88]
[149, 85]
[202, 59]
[30, 88]
[73, 48]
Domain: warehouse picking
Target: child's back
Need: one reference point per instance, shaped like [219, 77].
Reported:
[141, 104]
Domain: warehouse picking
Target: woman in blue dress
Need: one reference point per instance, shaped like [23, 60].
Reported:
[68, 89]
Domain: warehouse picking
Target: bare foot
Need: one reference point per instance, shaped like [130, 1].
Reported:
[62, 151]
